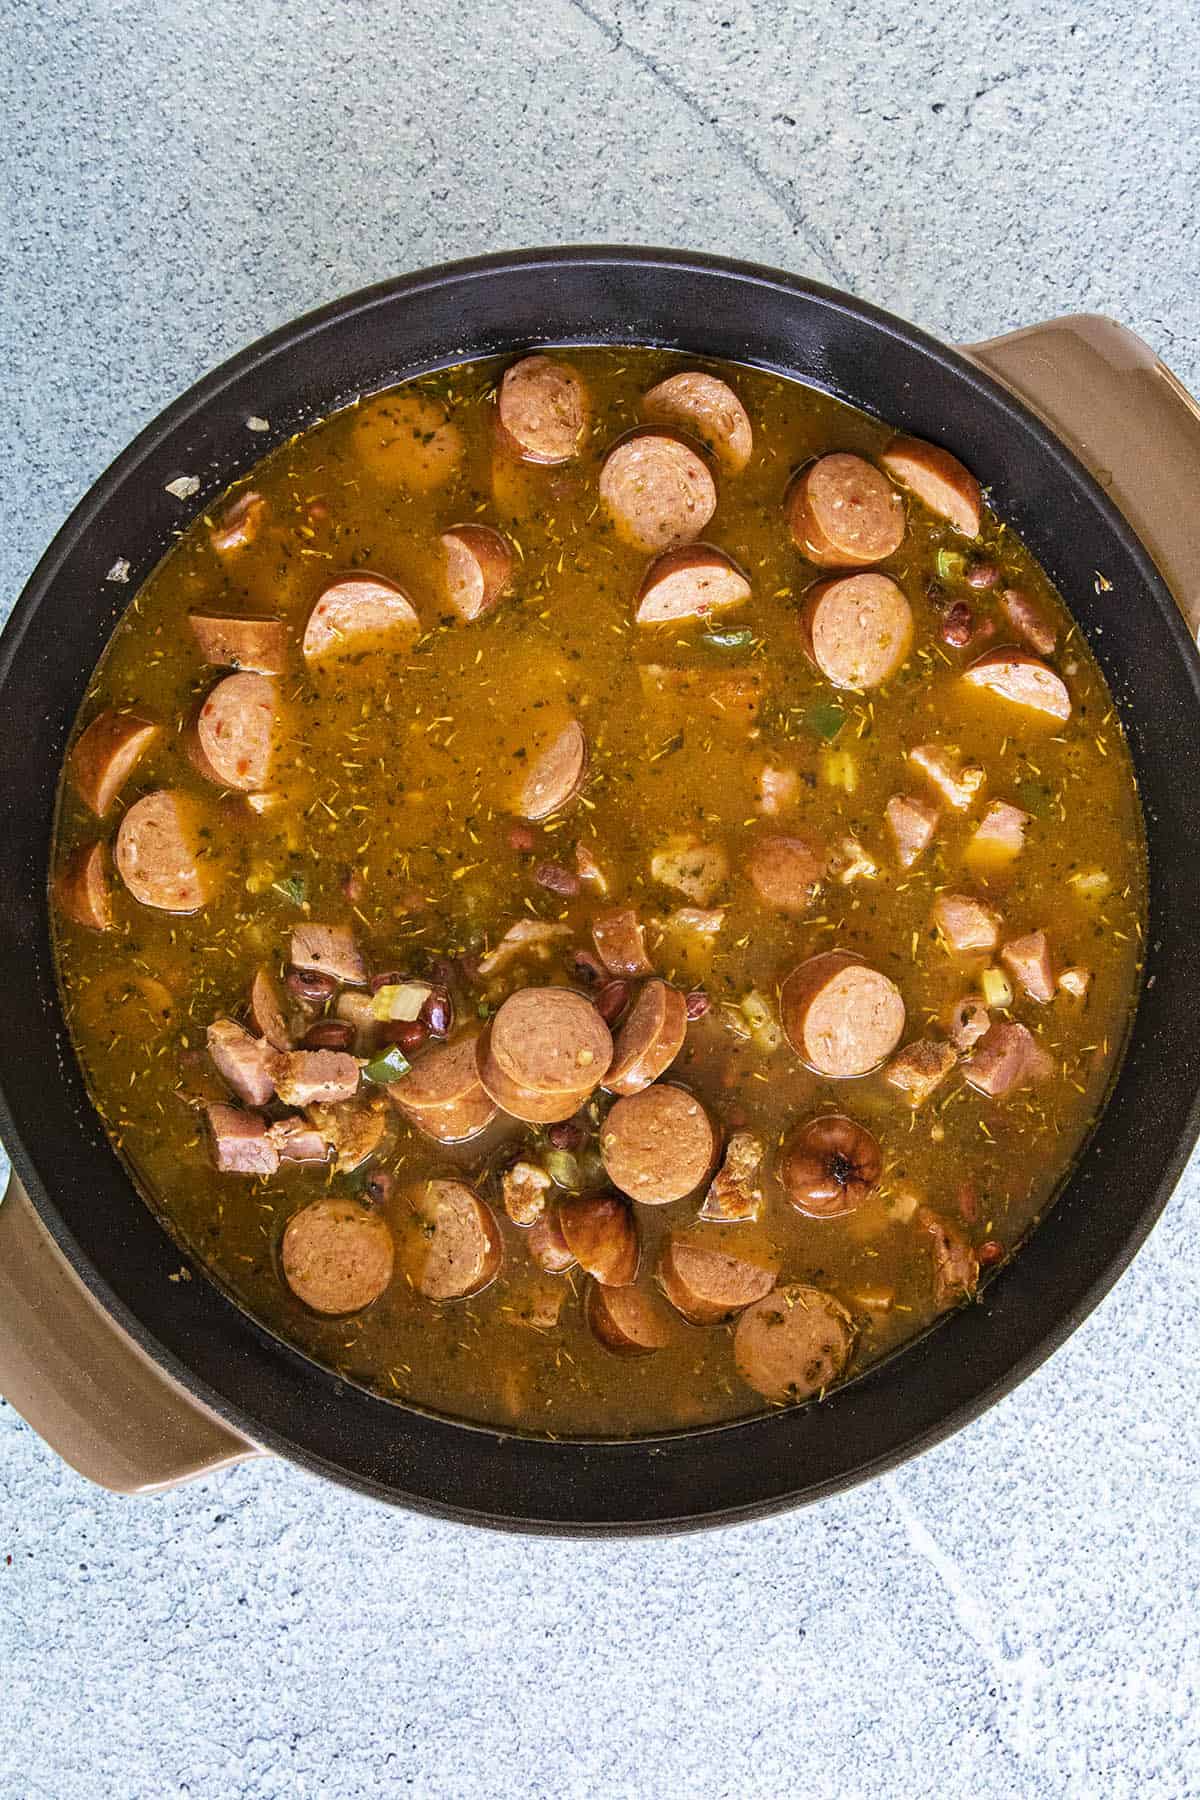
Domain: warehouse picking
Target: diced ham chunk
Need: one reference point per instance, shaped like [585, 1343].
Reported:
[244, 1062]
[955, 1264]
[241, 1142]
[526, 937]
[969, 1021]
[1001, 831]
[1028, 621]
[920, 1068]
[853, 863]
[524, 1188]
[1075, 982]
[619, 943]
[777, 790]
[330, 950]
[958, 783]
[966, 924]
[1027, 959]
[912, 824]
[1007, 1057]
[736, 1190]
[303, 1077]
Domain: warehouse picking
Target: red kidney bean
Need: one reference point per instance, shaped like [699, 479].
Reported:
[353, 886]
[589, 968]
[437, 1014]
[330, 1034]
[982, 575]
[698, 1003]
[391, 979]
[990, 1253]
[558, 880]
[310, 985]
[958, 626]
[567, 1136]
[377, 1190]
[521, 839]
[407, 1034]
[612, 1000]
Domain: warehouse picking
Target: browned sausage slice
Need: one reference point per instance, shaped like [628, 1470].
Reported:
[557, 774]
[329, 950]
[1023, 679]
[552, 1040]
[241, 641]
[82, 888]
[106, 754]
[650, 1039]
[708, 1285]
[785, 871]
[689, 583]
[406, 439]
[793, 1344]
[841, 1017]
[266, 1010]
[478, 569]
[547, 1245]
[658, 491]
[858, 629]
[708, 408]
[337, 1256]
[938, 480]
[601, 1235]
[160, 856]
[1029, 621]
[535, 1106]
[619, 943]
[442, 1094]
[627, 1321]
[658, 1145]
[356, 613]
[465, 1246]
[542, 408]
[238, 728]
[843, 513]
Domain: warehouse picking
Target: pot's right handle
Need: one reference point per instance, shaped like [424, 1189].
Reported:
[1128, 419]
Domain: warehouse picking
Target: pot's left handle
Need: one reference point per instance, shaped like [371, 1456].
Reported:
[82, 1383]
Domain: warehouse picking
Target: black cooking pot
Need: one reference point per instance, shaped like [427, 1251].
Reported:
[217, 1360]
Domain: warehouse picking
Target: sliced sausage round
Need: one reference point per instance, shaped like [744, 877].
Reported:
[658, 1145]
[1023, 679]
[843, 514]
[407, 440]
[337, 1256]
[829, 1166]
[938, 480]
[552, 1040]
[241, 641]
[557, 774]
[601, 1235]
[106, 754]
[794, 1343]
[442, 1094]
[658, 491]
[357, 613]
[627, 1321]
[547, 1245]
[708, 1285]
[535, 1106]
[478, 569]
[465, 1248]
[841, 1017]
[266, 1010]
[82, 888]
[858, 629]
[650, 1039]
[689, 583]
[542, 410]
[160, 855]
[786, 871]
[238, 728]
[707, 407]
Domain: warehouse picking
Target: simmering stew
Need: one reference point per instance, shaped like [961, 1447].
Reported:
[599, 893]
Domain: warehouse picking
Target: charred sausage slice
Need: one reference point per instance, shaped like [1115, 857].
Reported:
[650, 1039]
[658, 1145]
[858, 629]
[627, 1321]
[689, 583]
[938, 480]
[82, 888]
[465, 1247]
[551, 1040]
[159, 853]
[707, 1285]
[106, 754]
[658, 491]
[357, 613]
[557, 774]
[793, 1344]
[337, 1256]
[406, 440]
[241, 641]
[542, 409]
[1025, 680]
[843, 513]
[478, 569]
[708, 408]
[601, 1235]
[238, 729]
[841, 1017]
[619, 943]
[786, 871]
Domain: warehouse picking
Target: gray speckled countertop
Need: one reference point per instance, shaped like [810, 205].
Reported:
[1014, 1615]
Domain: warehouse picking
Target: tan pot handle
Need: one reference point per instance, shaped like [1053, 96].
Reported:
[1128, 419]
[83, 1384]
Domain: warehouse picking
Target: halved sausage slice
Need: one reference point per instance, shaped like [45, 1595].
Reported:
[658, 491]
[627, 1321]
[547, 1245]
[841, 1017]
[658, 1145]
[407, 439]
[858, 629]
[106, 754]
[1023, 679]
[241, 641]
[356, 613]
[619, 943]
[535, 1106]
[238, 729]
[329, 950]
[551, 1040]
[266, 1010]
[1029, 621]
[82, 888]
[842, 513]
[793, 1344]
[601, 1235]
[708, 408]
[478, 569]
[708, 1285]
[650, 1039]
[465, 1246]
[785, 871]
[938, 480]
[557, 774]
[689, 583]
[160, 855]
[542, 410]
[337, 1256]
